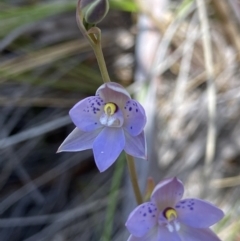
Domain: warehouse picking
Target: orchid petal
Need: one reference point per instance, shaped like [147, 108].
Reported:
[108, 146]
[78, 140]
[198, 213]
[135, 117]
[86, 113]
[197, 234]
[165, 235]
[142, 219]
[113, 92]
[136, 146]
[151, 235]
[167, 193]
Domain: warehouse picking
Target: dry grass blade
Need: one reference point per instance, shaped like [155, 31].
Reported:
[211, 90]
[35, 131]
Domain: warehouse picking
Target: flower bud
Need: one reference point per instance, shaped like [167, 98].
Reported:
[94, 10]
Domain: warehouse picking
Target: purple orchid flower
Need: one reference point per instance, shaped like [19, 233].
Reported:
[107, 123]
[168, 218]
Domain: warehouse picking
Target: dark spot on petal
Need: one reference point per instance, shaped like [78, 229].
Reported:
[136, 110]
[177, 206]
[153, 216]
[130, 109]
[144, 214]
[191, 208]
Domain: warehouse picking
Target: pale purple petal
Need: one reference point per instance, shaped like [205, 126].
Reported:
[136, 145]
[198, 213]
[113, 92]
[152, 235]
[165, 235]
[167, 193]
[142, 219]
[86, 113]
[78, 140]
[197, 234]
[108, 146]
[134, 117]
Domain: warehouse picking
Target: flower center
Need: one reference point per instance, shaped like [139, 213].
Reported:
[112, 116]
[110, 108]
[170, 214]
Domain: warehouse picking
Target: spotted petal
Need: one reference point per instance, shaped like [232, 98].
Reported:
[86, 113]
[136, 145]
[167, 193]
[142, 219]
[113, 92]
[198, 213]
[78, 140]
[108, 146]
[197, 234]
[135, 117]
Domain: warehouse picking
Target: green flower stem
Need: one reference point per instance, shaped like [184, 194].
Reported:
[134, 180]
[101, 62]
[97, 47]
[93, 35]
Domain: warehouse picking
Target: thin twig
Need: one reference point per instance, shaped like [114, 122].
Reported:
[226, 182]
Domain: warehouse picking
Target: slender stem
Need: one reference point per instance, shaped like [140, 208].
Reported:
[134, 180]
[93, 35]
[101, 62]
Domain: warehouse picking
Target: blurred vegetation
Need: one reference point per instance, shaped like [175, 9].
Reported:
[46, 66]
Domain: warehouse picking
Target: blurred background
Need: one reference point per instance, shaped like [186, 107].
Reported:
[180, 59]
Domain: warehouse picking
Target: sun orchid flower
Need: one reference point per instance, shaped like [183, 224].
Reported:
[107, 123]
[168, 218]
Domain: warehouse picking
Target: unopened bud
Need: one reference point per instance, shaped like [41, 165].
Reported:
[94, 10]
